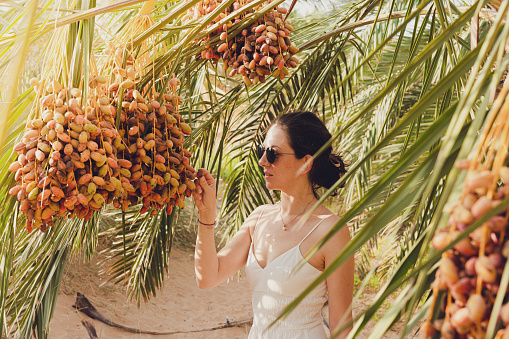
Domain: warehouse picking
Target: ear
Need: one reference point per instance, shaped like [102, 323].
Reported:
[307, 164]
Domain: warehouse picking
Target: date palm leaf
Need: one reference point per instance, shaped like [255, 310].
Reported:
[395, 81]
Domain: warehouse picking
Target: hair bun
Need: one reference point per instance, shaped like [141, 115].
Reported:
[337, 161]
[327, 173]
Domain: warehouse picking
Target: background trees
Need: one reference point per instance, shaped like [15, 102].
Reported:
[403, 85]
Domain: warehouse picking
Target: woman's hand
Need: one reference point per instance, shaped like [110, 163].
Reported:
[205, 194]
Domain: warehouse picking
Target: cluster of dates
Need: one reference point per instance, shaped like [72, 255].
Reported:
[159, 169]
[470, 273]
[73, 161]
[67, 164]
[260, 50]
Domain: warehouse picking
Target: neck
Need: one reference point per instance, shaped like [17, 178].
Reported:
[293, 204]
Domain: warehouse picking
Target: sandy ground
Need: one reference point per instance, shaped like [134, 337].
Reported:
[179, 306]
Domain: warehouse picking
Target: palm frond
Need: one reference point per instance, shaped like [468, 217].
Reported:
[140, 252]
[395, 81]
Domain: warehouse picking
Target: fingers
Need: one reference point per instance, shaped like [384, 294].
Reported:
[198, 188]
[202, 172]
[206, 185]
[198, 201]
[207, 175]
[206, 179]
[196, 195]
[205, 193]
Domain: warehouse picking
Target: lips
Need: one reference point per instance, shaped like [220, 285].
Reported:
[267, 174]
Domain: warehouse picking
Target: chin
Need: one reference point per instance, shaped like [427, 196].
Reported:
[269, 185]
[272, 187]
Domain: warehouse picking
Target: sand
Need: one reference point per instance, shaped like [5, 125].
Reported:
[179, 306]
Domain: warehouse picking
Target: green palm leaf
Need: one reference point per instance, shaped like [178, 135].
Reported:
[396, 83]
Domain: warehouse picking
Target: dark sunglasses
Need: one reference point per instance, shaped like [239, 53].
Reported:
[270, 153]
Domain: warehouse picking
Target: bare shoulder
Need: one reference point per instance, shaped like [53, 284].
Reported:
[328, 219]
[258, 211]
[340, 238]
[250, 221]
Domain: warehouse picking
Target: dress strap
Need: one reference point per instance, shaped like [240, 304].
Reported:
[259, 217]
[313, 229]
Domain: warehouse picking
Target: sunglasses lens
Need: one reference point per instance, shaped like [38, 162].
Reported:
[271, 155]
[259, 151]
[269, 152]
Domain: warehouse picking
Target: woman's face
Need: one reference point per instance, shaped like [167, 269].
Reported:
[283, 173]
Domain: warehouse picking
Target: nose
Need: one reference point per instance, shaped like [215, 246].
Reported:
[263, 160]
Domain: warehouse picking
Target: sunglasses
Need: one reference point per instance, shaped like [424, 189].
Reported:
[270, 153]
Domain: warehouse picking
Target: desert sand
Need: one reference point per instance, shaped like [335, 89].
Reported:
[179, 306]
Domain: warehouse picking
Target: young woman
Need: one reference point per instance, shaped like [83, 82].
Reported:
[274, 238]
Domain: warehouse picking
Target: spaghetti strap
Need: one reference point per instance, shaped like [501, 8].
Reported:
[261, 213]
[312, 230]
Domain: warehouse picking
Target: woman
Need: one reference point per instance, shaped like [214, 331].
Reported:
[274, 238]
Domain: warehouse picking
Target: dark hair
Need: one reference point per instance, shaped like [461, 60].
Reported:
[307, 134]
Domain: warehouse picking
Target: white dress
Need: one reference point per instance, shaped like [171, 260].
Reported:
[275, 286]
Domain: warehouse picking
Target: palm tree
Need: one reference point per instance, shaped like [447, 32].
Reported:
[403, 85]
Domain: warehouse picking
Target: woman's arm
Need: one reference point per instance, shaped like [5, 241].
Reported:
[339, 283]
[213, 268]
